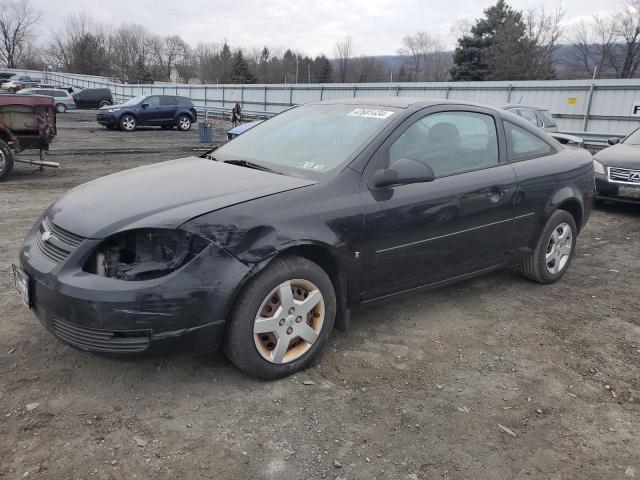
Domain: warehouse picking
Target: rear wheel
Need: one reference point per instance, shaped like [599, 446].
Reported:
[183, 123]
[61, 108]
[104, 103]
[555, 249]
[6, 160]
[128, 123]
[282, 319]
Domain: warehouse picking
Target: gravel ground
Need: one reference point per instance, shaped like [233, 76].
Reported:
[494, 378]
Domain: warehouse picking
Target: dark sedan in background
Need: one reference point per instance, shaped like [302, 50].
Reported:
[617, 169]
[266, 244]
[166, 111]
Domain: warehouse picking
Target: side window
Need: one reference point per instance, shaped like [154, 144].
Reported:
[449, 142]
[529, 116]
[523, 144]
[153, 101]
[168, 100]
[59, 94]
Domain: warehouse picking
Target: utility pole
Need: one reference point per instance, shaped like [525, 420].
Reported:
[309, 73]
[297, 64]
[595, 71]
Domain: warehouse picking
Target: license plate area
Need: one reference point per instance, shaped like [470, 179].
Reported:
[21, 281]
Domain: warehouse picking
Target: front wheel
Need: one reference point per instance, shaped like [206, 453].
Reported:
[555, 249]
[282, 319]
[183, 123]
[6, 160]
[128, 123]
[61, 108]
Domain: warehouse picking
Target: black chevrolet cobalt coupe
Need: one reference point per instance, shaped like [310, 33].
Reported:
[264, 246]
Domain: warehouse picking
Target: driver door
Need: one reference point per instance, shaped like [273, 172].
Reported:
[150, 112]
[461, 223]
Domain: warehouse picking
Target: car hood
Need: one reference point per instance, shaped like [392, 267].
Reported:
[162, 195]
[621, 155]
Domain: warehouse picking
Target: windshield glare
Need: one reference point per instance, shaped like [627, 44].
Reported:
[311, 140]
[633, 139]
[134, 100]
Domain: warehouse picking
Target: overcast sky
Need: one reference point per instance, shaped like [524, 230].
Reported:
[377, 26]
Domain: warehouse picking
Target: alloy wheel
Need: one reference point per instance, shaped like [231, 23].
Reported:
[559, 248]
[2, 160]
[184, 123]
[289, 321]
[128, 123]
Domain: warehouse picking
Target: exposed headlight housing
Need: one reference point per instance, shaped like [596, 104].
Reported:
[144, 254]
[598, 167]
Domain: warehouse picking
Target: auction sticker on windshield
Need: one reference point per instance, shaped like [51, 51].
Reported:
[369, 113]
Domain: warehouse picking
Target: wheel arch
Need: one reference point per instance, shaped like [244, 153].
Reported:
[569, 200]
[317, 252]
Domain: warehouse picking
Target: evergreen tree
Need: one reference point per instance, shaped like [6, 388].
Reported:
[497, 47]
[240, 72]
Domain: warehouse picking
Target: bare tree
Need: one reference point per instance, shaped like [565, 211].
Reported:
[625, 57]
[418, 48]
[591, 45]
[166, 53]
[17, 20]
[343, 51]
[544, 31]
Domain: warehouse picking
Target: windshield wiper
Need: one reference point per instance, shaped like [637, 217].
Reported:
[248, 164]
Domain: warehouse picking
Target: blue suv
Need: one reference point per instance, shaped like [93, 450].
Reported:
[166, 111]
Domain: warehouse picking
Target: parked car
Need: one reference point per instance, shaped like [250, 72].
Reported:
[26, 122]
[5, 76]
[88, 98]
[243, 127]
[617, 169]
[18, 82]
[542, 118]
[62, 100]
[266, 244]
[166, 111]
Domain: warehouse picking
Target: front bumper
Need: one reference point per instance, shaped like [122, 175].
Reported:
[616, 191]
[185, 309]
[108, 119]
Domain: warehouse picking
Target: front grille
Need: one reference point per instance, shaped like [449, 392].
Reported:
[104, 341]
[51, 252]
[60, 243]
[624, 175]
[64, 235]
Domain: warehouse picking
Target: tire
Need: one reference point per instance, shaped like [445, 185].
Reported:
[255, 349]
[104, 103]
[61, 108]
[6, 160]
[128, 123]
[184, 123]
[551, 258]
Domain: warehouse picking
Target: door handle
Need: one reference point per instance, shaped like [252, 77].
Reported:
[497, 193]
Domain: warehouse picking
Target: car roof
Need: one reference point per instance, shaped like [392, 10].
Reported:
[513, 105]
[401, 102]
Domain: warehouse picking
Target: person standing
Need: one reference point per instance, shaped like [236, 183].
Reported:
[236, 114]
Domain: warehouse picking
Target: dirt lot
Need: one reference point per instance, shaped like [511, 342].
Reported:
[417, 389]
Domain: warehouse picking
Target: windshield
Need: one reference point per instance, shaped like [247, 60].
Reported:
[633, 139]
[309, 141]
[548, 118]
[134, 100]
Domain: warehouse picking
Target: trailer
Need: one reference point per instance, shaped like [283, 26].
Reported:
[27, 122]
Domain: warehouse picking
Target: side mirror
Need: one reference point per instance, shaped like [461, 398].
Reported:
[403, 171]
[144, 105]
[613, 141]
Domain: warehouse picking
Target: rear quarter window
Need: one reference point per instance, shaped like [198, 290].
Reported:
[523, 144]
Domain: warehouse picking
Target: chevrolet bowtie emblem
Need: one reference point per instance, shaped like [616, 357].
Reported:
[46, 236]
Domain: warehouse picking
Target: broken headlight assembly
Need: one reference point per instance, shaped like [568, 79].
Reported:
[144, 254]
